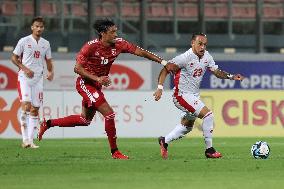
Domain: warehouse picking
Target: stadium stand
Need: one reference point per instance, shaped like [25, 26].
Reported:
[274, 12]
[217, 11]
[28, 9]
[74, 22]
[8, 8]
[12, 8]
[129, 10]
[244, 12]
[78, 9]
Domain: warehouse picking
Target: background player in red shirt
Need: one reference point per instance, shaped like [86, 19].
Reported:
[93, 64]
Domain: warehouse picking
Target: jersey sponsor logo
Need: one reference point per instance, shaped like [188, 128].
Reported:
[123, 77]
[11, 115]
[8, 78]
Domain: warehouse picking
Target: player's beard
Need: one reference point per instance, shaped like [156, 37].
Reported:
[38, 33]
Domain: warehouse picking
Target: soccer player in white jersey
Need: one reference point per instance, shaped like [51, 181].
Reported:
[193, 64]
[29, 56]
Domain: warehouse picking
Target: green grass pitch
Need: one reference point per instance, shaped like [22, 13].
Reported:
[86, 163]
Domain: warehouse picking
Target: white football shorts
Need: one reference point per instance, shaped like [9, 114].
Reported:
[190, 104]
[31, 90]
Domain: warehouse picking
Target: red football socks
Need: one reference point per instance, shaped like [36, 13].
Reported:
[69, 121]
[110, 130]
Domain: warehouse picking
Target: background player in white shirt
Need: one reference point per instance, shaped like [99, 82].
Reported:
[29, 55]
[193, 64]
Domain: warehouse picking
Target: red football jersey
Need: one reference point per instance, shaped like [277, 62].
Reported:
[97, 58]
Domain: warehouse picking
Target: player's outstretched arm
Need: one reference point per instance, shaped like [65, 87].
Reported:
[161, 79]
[151, 56]
[225, 75]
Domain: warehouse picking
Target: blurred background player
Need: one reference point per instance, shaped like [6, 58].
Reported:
[193, 64]
[29, 55]
[93, 64]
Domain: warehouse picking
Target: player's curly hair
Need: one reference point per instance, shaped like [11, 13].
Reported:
[103, 25]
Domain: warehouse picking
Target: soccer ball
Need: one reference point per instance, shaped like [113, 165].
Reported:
[260, 150]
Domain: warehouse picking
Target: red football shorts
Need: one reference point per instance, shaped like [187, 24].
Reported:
[92, 96]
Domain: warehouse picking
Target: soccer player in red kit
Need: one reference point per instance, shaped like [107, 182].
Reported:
[93, 64]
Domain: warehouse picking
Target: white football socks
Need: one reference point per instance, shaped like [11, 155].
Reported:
[24, 122]
[178, 132]
[207, 127]
[32, 127]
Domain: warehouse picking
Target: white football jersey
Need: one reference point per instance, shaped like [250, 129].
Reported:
[192, 69]
[33, 54]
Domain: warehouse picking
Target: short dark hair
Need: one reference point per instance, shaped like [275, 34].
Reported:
[194, 35]
[38, 19]
[103, 25]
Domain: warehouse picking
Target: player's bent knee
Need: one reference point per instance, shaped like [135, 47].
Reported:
[188, 120]
[34, 111]
[26, 106]
[187, 123]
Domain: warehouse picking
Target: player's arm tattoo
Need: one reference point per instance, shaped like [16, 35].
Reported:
[222, 74]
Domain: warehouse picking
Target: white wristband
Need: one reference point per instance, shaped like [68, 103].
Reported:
[164, 62]
[160, 87]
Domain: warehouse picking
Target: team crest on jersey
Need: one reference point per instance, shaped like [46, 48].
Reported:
[97, 53]
[113, 51]
[191, 64]
[29, 46]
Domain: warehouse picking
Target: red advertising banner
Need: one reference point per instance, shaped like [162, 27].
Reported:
[8, 78]
[125, 75]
